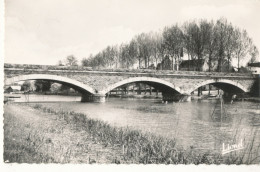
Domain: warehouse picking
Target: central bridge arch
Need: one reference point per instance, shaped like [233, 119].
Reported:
[83, 87]
[155, 82]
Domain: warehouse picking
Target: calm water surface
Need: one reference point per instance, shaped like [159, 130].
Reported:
[191, 123]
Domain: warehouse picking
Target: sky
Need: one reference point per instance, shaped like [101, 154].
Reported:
[46, 31]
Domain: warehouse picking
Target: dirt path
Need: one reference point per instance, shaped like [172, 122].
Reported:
[31, 136]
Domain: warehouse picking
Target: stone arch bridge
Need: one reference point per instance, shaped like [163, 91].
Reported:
[94, 85]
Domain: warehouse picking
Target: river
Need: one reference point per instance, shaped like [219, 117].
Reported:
[191, 123]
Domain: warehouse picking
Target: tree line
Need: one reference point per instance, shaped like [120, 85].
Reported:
[219, 43]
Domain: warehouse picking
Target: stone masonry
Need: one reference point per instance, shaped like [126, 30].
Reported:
[95, 84]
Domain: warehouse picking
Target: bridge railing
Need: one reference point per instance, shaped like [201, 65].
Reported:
[45, 67]
[151, 71]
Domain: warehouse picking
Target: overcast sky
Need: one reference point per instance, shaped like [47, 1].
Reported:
[45, 31]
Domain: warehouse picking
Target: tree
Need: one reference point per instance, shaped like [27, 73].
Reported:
[220, 42]
[60, 63]
[230, 43]
[108, 57]
[187, 42]
[42, 85]
[86, 61]
[115, 53]
[199, 35]
[204, 36]
[210, 47]
[55, 87]
[166, 63]
[65, 88]
[242, 45]
[143, 49]
[26, 86]
[159, 47]
[98, 60]
[133, 52]
[173, 43]
[155, 47]
[127, 55]
[254, 53]
[71, 61]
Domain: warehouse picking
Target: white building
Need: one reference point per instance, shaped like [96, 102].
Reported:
[254, 67]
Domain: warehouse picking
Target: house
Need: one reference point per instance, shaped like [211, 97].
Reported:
[13, 89]
[166, 64]
[254, 67]
[193, 65]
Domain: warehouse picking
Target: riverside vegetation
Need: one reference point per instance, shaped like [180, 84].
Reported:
[25, 143]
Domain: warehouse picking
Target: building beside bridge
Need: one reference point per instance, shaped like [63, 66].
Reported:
[13, 89]
[254, 67]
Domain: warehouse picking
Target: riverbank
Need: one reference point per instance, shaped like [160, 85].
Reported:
[35, 134]
[251, 99]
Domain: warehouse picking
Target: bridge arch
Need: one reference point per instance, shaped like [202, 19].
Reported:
[219, 82]
[56, 78]
[150, 80]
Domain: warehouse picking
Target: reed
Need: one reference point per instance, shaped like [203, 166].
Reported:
[21, 145]
[134, 146]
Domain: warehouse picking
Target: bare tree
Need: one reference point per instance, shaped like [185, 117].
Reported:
[254, 53]
[143, 49]
[71, 61]
[230, 43]
[196, 38]
[87, 61]
[188, 42]
[116, 55]
[242, 45]
[210, 47]
[220, 42]
[60, 63]
[133, 52]
[202, 41]
[173, 43]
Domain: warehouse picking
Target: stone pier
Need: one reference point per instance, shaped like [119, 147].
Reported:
[97, 98]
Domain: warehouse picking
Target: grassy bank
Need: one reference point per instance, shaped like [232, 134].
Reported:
[122, 144]
[34, 136]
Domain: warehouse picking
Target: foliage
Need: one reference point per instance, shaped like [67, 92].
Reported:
[173, 43]
[217, 42]
[26, 86]
[55, 87]
[70, 60]
[42, 85]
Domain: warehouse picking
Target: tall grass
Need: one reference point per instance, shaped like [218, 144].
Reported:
[136, 147]
[132, 146]
[21, 144]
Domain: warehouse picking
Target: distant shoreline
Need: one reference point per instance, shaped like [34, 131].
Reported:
[136, 96]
